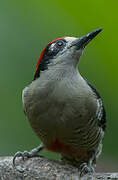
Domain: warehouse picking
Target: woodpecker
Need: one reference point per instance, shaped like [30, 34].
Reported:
[64, 109]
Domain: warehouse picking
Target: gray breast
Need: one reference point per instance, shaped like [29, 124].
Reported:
[65, 110]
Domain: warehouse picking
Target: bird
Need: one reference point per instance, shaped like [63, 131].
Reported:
[65, 111]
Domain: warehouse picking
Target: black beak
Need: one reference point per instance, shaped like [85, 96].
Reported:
[84, 40]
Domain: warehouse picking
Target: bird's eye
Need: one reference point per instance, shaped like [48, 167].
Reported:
[59, 44]
[54, 47]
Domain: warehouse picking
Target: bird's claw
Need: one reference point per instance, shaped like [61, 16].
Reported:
[23, 155]
[85, 169]
[26, 154]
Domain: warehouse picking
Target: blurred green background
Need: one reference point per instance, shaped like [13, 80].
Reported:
[25, 29]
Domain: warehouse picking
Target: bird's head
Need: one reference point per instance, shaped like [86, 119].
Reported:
[62, 52]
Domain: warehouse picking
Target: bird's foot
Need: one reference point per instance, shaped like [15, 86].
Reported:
[26, 154]
[85, 169]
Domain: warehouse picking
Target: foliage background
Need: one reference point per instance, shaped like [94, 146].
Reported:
[25, 29]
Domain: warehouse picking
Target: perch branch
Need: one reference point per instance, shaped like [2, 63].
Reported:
[40, 168]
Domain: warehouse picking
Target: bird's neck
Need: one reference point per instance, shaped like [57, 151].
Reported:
[58, 72]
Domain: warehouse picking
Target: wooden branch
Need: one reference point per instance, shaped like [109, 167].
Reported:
[40, 168]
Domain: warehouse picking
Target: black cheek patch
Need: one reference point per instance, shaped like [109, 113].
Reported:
[45, 57]
[43, 65]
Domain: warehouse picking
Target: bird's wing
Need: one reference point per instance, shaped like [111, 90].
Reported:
[101, 114]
